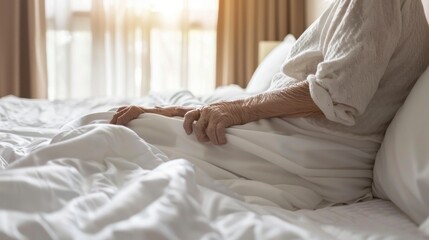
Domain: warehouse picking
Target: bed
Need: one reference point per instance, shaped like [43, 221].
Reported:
[58, 181]
[57, 209]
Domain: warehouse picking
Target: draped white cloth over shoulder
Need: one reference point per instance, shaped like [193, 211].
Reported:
[361, 59]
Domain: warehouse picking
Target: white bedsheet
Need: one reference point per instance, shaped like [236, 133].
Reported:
[104, 182]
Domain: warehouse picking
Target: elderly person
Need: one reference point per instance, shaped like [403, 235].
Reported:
[342, 83]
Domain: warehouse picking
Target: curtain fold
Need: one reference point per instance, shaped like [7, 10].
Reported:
[242, 24]
[23, 48]
[117, 31]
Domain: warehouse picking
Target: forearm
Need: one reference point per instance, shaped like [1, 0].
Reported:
[293, 101]
[213, 119]
[171, 111]
[127, 113]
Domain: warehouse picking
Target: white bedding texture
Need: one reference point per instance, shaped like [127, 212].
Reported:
[67, 174]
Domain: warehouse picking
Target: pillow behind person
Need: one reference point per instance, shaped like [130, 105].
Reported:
[261, 78]
[401, 171]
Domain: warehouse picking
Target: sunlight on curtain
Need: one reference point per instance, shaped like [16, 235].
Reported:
[127, 48]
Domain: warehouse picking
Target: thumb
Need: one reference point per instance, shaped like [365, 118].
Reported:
[189, 119]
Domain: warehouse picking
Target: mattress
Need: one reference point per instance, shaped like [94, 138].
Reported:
[113, 201]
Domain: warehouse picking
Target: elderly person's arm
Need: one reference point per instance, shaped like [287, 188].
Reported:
[293, 101]
[213, 119]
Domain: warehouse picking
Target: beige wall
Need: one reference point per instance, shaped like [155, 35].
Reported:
[314, 8]
[426, 6]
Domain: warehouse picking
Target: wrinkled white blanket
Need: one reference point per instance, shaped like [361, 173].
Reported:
[269, 162]
[104, 181]
[98, 181]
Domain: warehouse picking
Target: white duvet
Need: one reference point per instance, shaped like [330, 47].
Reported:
[99, 181]
[105, 182]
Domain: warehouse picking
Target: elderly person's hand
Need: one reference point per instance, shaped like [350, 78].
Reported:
[212, 120]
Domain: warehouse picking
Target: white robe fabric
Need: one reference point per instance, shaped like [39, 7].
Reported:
[361, 58]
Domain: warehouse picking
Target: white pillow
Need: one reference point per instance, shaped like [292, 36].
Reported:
[261, 78]
[401, 171]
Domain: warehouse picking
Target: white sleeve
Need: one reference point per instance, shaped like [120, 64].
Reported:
[358, 39]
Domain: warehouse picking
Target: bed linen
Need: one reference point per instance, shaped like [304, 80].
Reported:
[63, 182]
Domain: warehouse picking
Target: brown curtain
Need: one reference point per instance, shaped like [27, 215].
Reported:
[242, 24]
[23, 48]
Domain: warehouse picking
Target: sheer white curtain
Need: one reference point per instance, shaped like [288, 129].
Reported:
[127, 48]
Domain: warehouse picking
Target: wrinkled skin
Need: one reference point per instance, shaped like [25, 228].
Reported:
[127, 113]
[212, 120]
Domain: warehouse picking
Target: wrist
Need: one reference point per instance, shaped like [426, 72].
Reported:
[246, 110]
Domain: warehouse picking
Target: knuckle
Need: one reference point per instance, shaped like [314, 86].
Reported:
[135, 108]
[191, 115]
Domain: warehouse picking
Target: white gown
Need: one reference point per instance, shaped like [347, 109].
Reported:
[361, 59]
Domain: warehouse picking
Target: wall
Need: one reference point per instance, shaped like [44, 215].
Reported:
[314, 8]
[426, 6]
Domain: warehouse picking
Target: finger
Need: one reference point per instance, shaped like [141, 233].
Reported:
[114, 119]
[118, 114]
[132, 113]
[121, 108]
[220, 133]
[189, 119]
[200, 129]
[211, 132]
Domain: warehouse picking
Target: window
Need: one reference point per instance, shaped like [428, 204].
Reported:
[129, 47]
